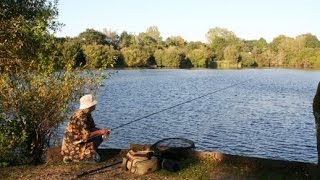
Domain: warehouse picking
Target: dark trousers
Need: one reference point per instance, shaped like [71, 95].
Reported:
[97, 141]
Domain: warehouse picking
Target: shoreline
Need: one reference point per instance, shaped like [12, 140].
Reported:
[255, 167]
[198, 165]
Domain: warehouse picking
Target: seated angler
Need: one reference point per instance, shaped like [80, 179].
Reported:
[82, 137]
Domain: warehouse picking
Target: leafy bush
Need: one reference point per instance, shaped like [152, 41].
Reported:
[32, 106]
[34, 97]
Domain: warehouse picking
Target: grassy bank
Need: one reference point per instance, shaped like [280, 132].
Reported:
[228, 167]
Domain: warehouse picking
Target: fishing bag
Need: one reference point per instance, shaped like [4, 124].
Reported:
[140, 162]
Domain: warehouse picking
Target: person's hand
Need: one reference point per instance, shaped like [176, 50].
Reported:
[105, 131]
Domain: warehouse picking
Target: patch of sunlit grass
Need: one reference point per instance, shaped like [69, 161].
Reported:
[190, 169]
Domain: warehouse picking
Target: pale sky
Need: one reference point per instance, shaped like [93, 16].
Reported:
[192, 19]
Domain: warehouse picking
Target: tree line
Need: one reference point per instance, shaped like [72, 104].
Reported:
[94, 49]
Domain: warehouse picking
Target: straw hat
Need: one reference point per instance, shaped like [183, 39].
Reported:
[87, 101]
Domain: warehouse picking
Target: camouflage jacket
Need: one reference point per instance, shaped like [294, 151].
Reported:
[78, 129]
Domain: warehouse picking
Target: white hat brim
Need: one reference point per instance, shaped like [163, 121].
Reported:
[88, 104]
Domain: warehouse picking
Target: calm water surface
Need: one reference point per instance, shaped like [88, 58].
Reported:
[268, 116]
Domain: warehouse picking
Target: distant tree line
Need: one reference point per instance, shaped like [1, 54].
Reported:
[94, 49]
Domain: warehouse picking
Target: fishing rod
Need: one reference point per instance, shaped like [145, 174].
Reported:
[97, 169]
[179, 104]
[151, 114]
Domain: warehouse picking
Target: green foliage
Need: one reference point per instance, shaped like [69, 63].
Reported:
[261, 44]
[247, 60]
[175, 41]
[145, 40]
[33, 105]
[147, 48]
[92, 49]
[216, 33]
[159, 58]
[289, 51]
[191, 169]
[308, 40]
[91, 36]
[263, 59]
[316, 63]
[23, 28]
[126, 40]
[201, 57]
[219, 39]
[195, 45]
[112, 38]
[279, 43]
[71, 53]
[136, 56]
[34, 95]
[172, 57]
[231, 54]
[218, 45]
[100, 56]
[154, 33]
[308, 57]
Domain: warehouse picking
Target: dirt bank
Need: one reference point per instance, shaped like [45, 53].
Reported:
[200, 165]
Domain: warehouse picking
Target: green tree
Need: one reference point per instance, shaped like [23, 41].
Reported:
[34, 97]
[195, 45]
[175, 41]
[217, 32]
[247, 60]
[127, 40]
[159, 57]
[112, 38]
[145, 40]
[23, 26]
[201, 57]
[285, 48]
[154, 33]
[308, 40]
[219, 39]
[71, 52]
[316, 63]
[232, 55]
[267, 58]
[136, 56]
[100, 56]
[91, 36]
[261, 44]
[308, 58]
[171, 57]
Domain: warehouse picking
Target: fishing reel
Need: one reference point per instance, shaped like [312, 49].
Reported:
[105, 137]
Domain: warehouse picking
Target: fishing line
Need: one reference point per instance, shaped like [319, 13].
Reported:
[185, 102]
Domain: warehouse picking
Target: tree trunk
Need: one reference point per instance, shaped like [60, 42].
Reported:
[37, 147]
[316, 113]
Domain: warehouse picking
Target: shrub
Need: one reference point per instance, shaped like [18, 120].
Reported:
[34, 97]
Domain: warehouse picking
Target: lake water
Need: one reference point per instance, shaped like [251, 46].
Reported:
[267, 114]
